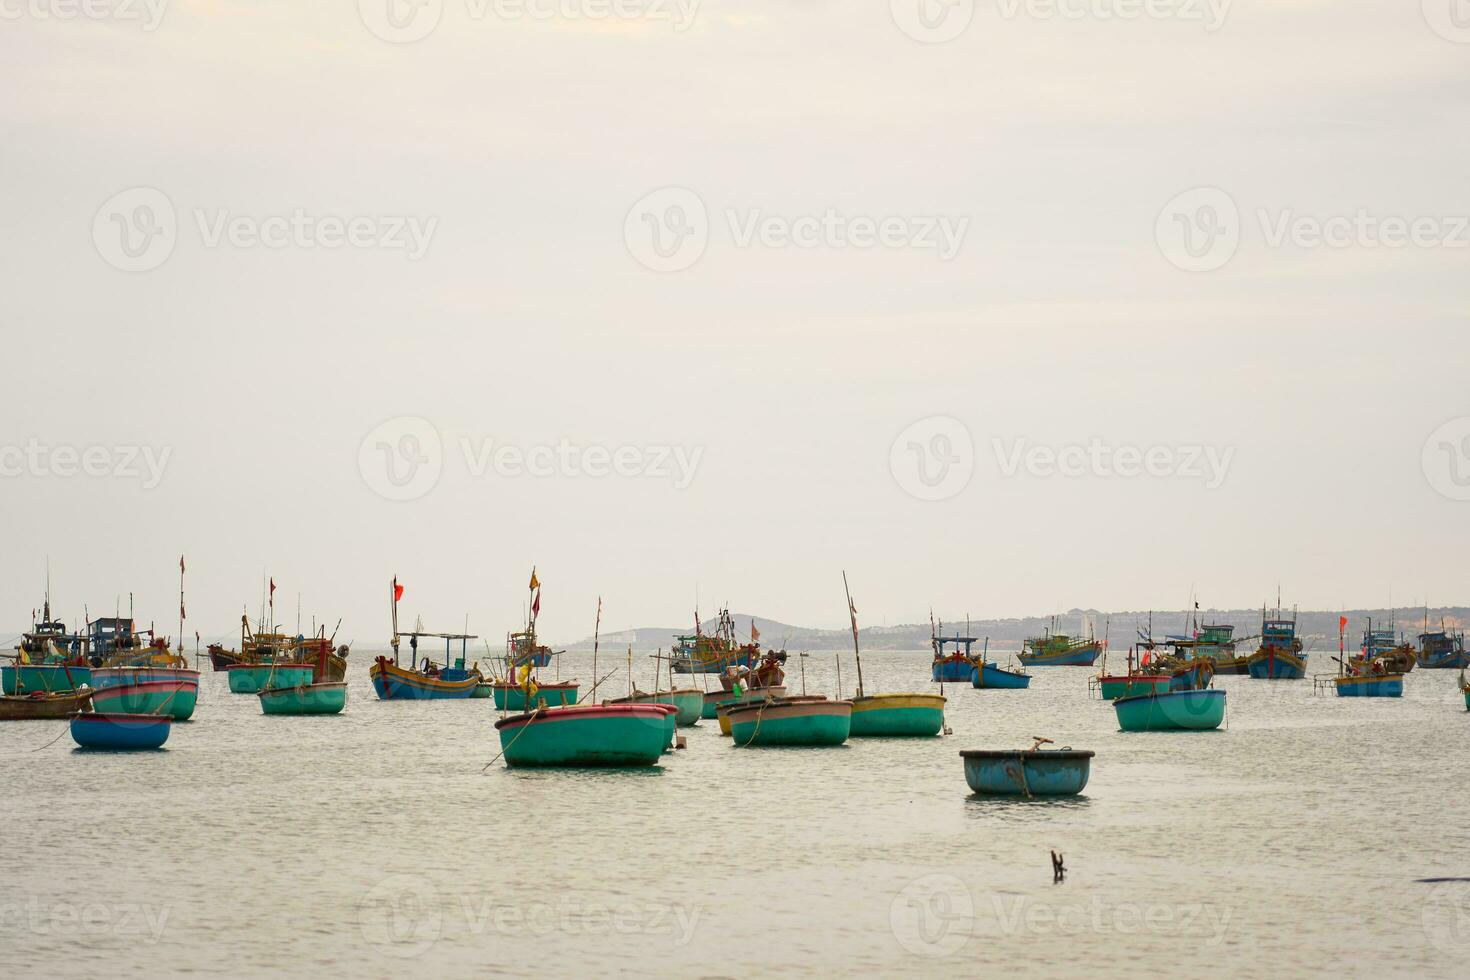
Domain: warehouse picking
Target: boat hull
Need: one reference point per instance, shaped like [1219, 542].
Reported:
[1233, 665]
[685, 665]
[26, 707]
[1370, 686]
[306, 699]
[254, 678]
[624, 735]
[1171, 712]
[1044, 772]
[951, 671]
[511, 697]
[714, 699]
[93, 730]
[989, 675]
[913, 715]
[1113, 688]
[1450, 661]
[1277, 665]
[25, 678]
[173, 691]
[790, 722]
[394, 683]
[688, 705]
[220, 661]
[1082, 657]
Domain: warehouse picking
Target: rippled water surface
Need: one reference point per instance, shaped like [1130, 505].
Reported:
[372, 844]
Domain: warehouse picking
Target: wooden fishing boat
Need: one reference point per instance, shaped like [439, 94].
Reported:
[96, 730]
[952, 666]
[730, 699]
[1369, 685]
[586, 735]
[790, 722]
[1028, 772]
[1279, 657]
[1442, 649]
[705, 653]
[988, 675]
[252, 678]
[1171, 711]
[172, 691]
[48, 659]
[1381, 646]
[395, 683]
[1053, 649]
[221, 659]
[328, 698]
[510, 696]
[40, 704]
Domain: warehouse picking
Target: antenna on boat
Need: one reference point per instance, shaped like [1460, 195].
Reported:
[852, 614]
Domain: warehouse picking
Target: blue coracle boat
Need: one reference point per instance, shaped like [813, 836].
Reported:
[1028, 772]
[989, 675]
[99, 730]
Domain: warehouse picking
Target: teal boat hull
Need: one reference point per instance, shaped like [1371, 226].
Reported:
[120, 731]
[173, 691]
[590, 736]
[51, 678]
[790, 722]
[254, 678]
[1173, 711]
[1113, 688]
[989, 675]
[1044, 772]
[514, 698]
[896, 715]
[305, 699]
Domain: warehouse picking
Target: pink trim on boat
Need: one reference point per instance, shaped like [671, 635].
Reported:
[580, 711]
[143, 687]
[788, 709]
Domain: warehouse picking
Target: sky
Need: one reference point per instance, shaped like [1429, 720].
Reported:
[1003, 308]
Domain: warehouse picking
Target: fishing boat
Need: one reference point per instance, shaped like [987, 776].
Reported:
[257, 646]
[1279, 657]
[790, 722]
[97, 730]
[952, 666]
[522, 689]
[1443, 649]
[1053, 649]
[48, 658]
[722, 709]
[252, 678]
[327, 698]
[1383, 646]
[512, 696]
[713, 653]
[171, 691]
[41, 704]
[906, 714]
[627, 735]
[524, 651]
[1201, 710]
[1141, 678]
[1028, 772]
[742, 682]
[987, 674]
[423, 680]
[1370, 685]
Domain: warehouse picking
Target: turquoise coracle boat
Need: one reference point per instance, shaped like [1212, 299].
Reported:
[304, 699]
[254, 678]
[790, 722]
[1172, 711]
[688, 704]
[586, 736]
[512, 697]
[895, 714]
[1027, 772]
[92, 730]
[989, 675]
[173, 691]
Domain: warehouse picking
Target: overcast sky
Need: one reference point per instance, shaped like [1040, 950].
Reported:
[831, 292]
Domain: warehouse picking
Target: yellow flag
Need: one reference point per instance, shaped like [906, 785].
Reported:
[535, 582]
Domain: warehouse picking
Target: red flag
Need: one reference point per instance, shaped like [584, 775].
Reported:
[536, 604]
[181, 564]
[273, 592]
[1341, 624]
[397, 590]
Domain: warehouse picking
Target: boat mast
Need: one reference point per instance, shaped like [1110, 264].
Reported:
[393, 605]
[852, 614]
[181, 605]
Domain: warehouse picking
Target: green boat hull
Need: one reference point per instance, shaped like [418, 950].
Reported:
[801, 724]
[913, 715]
[689, 705]
[1114, 688]
[514, 698]
[606, 739]
[52, 678]
[1176, 711]
[253, 678]
[307, 699]
[483, 691]
[177, 704]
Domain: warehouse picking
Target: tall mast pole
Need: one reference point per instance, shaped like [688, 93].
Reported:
[852, 614]
[181, 605]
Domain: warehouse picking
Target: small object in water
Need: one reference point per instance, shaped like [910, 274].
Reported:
[1058, 868]
[681, 742]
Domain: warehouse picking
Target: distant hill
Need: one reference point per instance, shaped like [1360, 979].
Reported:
[1318, 628]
